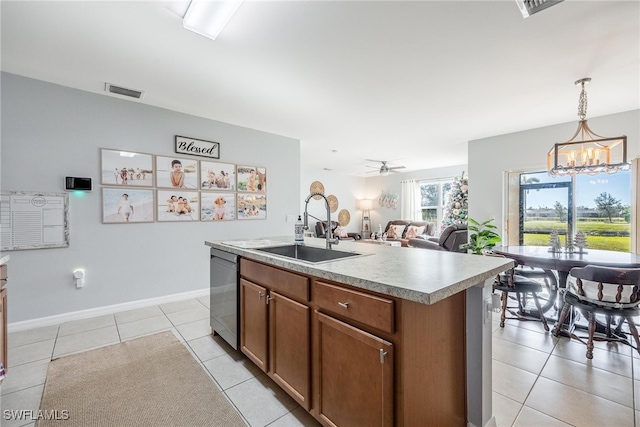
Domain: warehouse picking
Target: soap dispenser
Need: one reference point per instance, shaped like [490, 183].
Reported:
[299, 232]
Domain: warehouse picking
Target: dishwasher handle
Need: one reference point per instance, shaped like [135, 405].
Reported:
[227, 256]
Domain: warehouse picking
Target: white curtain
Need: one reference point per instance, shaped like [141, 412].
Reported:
[410, 204]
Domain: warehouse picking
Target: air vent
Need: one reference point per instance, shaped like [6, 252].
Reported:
[529, 7]
[119, 90]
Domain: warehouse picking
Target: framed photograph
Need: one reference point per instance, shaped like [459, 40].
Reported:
[178, 205]
[126, 168]
[197, 147]
[217, 176]
[217, 206]
[127, 205]
[179, 173]
[252, 206]
[252, 179]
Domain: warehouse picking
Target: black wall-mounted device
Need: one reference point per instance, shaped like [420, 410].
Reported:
[72, 183]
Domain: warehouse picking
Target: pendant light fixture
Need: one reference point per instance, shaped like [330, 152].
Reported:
[586, 151]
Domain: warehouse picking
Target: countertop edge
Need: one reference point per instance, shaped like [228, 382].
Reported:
[317, 270]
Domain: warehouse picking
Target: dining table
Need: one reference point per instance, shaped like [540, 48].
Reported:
[561, 263]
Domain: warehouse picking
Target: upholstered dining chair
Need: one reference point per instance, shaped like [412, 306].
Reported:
[607, 291]
[511, 283]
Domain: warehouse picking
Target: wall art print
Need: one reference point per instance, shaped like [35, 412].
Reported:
[178, 205]
[197, 147]
[127, 205]
[217, 176]
[252, 179]
[176, 172]
[252, 206]
[388, 200]
[217, 206]
[126, 168]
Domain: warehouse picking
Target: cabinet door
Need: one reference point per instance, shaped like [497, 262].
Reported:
[253, 322]
[355, 376]
[289, 344]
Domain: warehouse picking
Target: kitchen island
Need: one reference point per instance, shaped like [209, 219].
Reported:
[394, 336]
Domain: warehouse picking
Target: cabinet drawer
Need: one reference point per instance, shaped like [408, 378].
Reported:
[287, 283]
[368, 309]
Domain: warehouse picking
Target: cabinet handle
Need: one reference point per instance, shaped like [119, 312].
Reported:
[260, 295]
[382, 355]
[343, 304]
[269, 298]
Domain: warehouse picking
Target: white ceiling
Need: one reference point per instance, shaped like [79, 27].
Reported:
[409, 82]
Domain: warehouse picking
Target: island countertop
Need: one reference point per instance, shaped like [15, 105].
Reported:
[415, 274]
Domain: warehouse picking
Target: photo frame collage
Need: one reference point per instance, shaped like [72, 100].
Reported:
[142, 187]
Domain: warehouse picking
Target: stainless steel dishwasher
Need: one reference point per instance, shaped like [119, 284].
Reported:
[224, 296]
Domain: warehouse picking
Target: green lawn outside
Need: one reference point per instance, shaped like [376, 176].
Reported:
[581, 225]
[610, 243]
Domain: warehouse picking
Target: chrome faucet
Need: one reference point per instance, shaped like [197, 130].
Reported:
[329, 235]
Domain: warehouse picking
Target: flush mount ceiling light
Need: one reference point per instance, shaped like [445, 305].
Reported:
[208, 18]
[592, 154]
[529, 7]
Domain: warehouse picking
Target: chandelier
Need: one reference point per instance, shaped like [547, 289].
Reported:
[592, 154]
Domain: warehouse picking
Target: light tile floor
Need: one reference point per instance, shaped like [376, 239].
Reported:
[538, 380]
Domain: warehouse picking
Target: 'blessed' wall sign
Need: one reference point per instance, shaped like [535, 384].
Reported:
[197, 147]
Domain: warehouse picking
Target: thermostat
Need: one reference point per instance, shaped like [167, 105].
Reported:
[75, 183]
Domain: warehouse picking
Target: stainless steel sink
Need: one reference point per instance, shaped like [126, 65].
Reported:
[309, 253]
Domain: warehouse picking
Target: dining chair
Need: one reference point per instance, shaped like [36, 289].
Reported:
[511, 283]
[612, 292]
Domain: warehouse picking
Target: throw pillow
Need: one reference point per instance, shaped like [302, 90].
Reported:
[399, 230]
[341, 232]
[421, 230]
[413, 232]
[391, 233]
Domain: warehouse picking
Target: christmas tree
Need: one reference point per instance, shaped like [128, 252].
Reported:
[456, 209]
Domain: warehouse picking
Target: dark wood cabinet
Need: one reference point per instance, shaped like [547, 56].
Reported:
[253, 323]
[355, 376]
[289, 355]
[353, 357]
[275, 329]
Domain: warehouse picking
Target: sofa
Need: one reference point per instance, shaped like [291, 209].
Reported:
[450, 240]
[321, 231]
[403, 230]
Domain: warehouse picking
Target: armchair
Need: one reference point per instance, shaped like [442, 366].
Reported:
[450, 240]
[321, 231]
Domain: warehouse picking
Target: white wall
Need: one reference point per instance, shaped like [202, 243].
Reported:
[50, 131]
[490, 158]
[347, 190]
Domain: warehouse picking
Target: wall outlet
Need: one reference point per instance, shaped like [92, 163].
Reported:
[291, 218]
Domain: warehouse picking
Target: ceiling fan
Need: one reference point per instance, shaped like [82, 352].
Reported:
[384, 169]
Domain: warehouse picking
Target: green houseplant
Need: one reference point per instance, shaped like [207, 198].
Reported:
[483, 236]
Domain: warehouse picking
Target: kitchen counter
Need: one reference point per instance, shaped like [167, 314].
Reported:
[413, 274]
[424, 281]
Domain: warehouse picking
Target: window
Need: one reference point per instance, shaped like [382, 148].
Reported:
[432, 200]
[599, 205]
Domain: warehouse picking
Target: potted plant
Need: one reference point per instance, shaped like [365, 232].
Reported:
[483, 236]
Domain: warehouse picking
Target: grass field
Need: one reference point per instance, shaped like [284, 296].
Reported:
[591, 228]
[581, 225]
[620, 244]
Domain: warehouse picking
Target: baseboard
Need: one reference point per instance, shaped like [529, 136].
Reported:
[100, 311]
